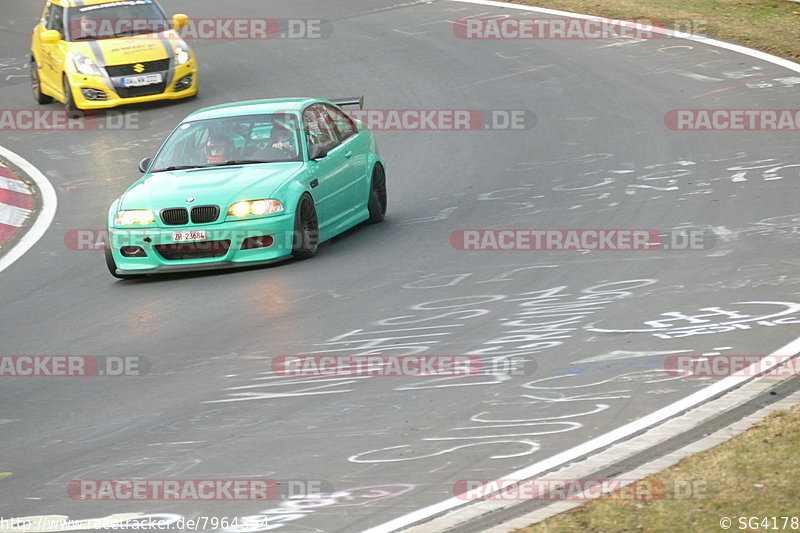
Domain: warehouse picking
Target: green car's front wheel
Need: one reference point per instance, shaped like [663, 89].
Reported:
[112, 267]
[306, 229]
[377, 195]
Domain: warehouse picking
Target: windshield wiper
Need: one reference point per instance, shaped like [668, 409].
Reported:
[178, 167]
[243, 162]
[225, 164]
[130, 33]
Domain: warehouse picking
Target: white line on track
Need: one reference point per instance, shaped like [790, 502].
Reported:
[44, 218]
[724, 385]
[791, 65]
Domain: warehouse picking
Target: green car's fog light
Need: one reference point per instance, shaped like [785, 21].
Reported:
[262, 241]
[132, 251]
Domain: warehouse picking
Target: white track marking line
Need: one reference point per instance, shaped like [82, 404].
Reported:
[45, 215]
[791, 65]
[793, 348]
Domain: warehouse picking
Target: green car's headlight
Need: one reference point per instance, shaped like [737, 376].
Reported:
[84, 65]
[136, 216]
[182, 55]
[256, 207]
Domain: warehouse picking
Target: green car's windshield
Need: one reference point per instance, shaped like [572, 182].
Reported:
[115, 19]
[251, 139]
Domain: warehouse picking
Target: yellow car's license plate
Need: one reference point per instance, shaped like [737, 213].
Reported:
[189, 236]
[139, 81]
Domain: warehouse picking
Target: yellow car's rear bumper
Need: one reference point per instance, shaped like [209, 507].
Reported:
[84, 87]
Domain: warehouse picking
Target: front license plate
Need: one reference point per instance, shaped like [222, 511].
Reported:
[189, 236]
[139, 81]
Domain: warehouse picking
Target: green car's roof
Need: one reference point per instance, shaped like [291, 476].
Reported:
[252, 107]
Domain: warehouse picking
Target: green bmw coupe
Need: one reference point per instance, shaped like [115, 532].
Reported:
[248, 183]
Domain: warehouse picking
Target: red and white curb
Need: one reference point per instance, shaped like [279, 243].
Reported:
[16, 204]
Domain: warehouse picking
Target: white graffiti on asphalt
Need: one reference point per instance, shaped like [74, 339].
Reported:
[711, 320]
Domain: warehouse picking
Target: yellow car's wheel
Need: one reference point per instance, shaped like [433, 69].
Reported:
[69, 102]
[36, 85]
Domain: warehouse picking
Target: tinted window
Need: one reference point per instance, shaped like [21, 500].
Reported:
[117, 19]
[46, 14]
[344, 124]
[319, 127]
[55, 18]
[215, 141]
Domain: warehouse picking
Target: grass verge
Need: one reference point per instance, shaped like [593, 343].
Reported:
[769, 25]
[755, 474]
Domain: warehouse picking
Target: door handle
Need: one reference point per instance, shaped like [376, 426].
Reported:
[348, 154]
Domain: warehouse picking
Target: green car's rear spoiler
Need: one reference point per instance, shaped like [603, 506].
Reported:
[354, 100]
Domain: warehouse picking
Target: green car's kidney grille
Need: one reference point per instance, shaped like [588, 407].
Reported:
[205, 214]
[177, 216]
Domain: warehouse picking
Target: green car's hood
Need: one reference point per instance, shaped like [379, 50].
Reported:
[221, 186]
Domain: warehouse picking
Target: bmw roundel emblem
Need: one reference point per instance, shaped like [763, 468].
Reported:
[190, 200]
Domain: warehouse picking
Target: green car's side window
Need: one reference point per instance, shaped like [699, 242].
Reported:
[344, 125]
[319, 127]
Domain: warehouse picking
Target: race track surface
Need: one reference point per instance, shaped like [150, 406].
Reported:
[598, 156]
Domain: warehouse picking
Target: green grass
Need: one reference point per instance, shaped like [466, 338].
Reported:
[756, 473]
[769, 25]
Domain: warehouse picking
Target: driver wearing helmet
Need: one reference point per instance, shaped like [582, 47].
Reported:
[282, 139]
[218, 149]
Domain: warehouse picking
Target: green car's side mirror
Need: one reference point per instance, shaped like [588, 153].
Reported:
[316, 152]
[144, 164]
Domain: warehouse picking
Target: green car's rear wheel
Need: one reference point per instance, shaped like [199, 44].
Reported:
[112, 267]
[306, 229]
[36, 85]
[377, 195]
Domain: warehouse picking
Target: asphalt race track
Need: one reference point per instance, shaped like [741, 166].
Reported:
[598, 156]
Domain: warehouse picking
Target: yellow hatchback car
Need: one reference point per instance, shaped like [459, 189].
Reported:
[93, 54]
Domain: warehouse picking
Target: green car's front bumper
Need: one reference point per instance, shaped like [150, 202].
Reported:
[269, 239]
